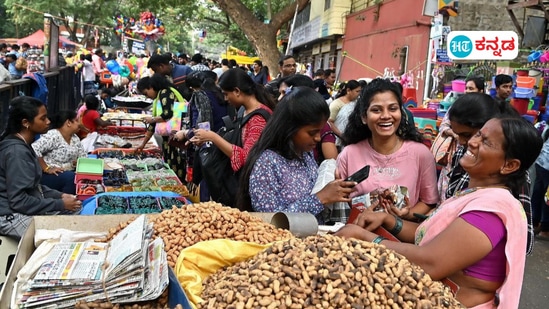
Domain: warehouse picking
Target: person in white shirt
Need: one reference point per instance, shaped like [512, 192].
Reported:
[88, 76]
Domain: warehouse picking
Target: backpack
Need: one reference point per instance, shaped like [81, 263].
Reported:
[39, 89]
[216, 168]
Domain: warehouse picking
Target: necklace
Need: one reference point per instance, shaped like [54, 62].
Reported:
[384, 159]
[21, 137]
[474, 189]
[389, 152]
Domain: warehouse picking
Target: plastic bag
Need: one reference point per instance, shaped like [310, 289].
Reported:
[197, 262]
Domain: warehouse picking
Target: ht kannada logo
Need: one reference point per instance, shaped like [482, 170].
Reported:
[461, 46]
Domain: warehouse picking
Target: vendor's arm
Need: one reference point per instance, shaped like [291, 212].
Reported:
[457, 247]
[20, 176]
[147, 138]
[102, 123]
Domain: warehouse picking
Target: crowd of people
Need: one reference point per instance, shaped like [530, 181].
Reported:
[466, 223]
[13, 63]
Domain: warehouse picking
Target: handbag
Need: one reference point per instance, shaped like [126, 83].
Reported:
[179, 108]
[443, 149]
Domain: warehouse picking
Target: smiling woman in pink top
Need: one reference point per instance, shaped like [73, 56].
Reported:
[475, 238]
[378, 135]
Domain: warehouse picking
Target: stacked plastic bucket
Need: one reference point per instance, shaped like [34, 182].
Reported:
[523, 93]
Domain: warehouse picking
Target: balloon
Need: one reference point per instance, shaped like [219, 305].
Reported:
[128, 64]
[133, 60]
[113, 66]
[124, 71]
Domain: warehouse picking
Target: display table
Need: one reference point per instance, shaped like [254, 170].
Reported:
[126, 119]
[138, 103]
[88, 206]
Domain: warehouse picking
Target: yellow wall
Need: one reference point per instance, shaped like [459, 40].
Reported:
[358, 5]
[335, 16]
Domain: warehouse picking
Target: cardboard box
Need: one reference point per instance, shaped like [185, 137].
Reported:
[75, 223]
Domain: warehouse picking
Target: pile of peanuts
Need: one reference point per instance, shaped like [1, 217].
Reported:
[183, 227]
[325, 272]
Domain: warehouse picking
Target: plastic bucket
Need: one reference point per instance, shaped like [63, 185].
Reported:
[521, 105]
[409, 94]
[537, 74]
[526, 82]
[524, 93]
[458, 85]
[522, 72]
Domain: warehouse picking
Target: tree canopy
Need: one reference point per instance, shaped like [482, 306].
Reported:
[250, 25]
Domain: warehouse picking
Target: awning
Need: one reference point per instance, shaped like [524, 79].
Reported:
[38, 38]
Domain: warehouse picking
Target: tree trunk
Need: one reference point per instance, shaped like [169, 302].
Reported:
[261, 35]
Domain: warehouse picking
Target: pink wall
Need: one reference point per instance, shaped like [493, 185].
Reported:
[375, 44]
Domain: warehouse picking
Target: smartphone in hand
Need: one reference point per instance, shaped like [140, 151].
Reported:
[360, 175]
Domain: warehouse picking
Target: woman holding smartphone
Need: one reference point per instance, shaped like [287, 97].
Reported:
[281, 171]
[378, 135]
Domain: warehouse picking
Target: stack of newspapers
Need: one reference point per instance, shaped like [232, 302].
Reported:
[130, 268]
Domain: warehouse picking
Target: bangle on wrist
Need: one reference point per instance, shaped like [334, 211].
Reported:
[398, 226]
[47, 168]
[378, 239]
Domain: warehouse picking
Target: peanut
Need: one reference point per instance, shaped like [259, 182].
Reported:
[314, 273]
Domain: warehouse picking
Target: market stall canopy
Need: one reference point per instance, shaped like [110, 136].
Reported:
[38, 37]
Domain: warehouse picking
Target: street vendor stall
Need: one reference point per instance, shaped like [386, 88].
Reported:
[214, 250]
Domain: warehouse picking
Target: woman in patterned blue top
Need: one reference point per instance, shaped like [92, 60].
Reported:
[281, 171]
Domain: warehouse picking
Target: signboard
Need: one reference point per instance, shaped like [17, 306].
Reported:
[482, 45]
[436, 29]
[442, 57]
[138, 47]
[306, 33]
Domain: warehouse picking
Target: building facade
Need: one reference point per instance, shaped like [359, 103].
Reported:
[317, 37]
[385, 38]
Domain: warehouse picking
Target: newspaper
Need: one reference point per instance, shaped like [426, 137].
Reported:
[130, 268]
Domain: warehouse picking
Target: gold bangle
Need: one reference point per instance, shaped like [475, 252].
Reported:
[47, 168]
